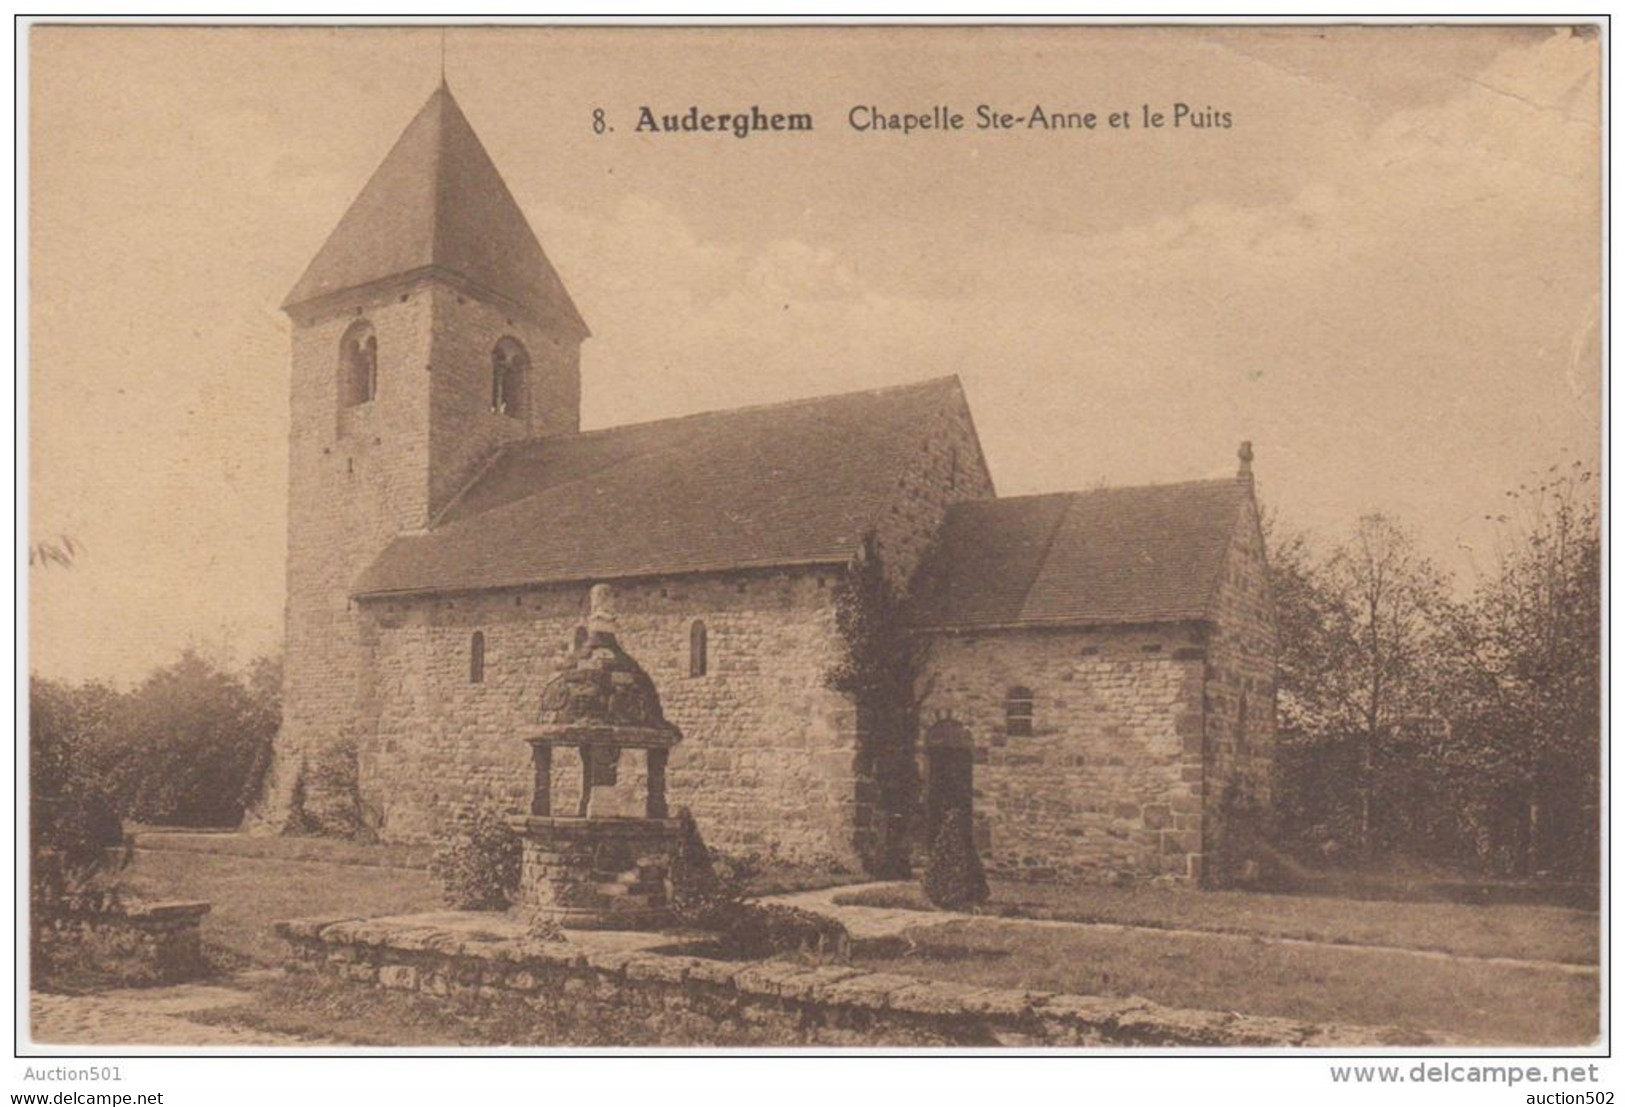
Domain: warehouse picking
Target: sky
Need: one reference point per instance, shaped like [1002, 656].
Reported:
[1384, 273]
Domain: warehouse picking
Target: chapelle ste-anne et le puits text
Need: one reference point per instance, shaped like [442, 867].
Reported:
[869, 119]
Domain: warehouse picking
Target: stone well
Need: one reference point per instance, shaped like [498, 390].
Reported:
[589, 870]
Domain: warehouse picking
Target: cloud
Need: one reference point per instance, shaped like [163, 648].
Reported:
[1411, 303]
[1387, 278]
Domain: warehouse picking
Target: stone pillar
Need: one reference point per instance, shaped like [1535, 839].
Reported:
[656, 803]
[541, 796]
[586, 782]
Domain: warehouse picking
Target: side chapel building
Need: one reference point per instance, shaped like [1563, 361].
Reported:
[1098, 683]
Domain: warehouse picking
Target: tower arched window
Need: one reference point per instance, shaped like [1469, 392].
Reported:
[698, 661]
[476, 658]
[1018, 712]
[358, 364]
[510, 379]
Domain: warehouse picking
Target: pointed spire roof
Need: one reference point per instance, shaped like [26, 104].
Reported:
[438, 203]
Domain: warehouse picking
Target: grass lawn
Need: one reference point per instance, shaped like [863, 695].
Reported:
[251, 893]
[1500, 930]
[277, 848]
[253, 885]
[1493, 1004]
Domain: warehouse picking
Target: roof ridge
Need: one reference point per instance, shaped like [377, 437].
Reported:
[1216, 481]
[440, 97]
[767, 406]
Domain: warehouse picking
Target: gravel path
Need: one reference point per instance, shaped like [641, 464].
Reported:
[150, 1017]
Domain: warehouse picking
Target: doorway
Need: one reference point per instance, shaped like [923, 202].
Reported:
[948, 787]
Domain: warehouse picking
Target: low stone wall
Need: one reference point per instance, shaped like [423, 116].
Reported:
[695, 1000]
[136, 944]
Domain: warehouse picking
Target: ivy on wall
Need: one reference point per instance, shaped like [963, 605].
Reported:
[879, 668]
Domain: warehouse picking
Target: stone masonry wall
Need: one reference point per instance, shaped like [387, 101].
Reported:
[360, 475]
[767, 760]
[949, 468]
[1108, 786]
[773, 762]
[465, 432]
[357, 477]
[1240, 706]
[771, 758]
[1152, 747]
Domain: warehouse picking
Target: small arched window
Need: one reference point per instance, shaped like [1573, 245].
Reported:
[476, 658]
[580, 638]
[697, 659]
[510, 379]
[358, 365]
[1018, 712]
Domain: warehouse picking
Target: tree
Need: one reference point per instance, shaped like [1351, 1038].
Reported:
[1304, 616]
[1389, 600]
[1460, 731]
[1359, 630]
[190, 740]
[1530, 723]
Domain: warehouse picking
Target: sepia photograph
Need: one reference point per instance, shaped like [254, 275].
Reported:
[1073, 539]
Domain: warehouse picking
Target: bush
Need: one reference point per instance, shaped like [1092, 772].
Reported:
[775, 929]
[327, 796]
[74, 832]
[704, 880]
[74, 828]
[954, 879]
[696, 887]
[77, 843]
[708, 893]
[478, 870]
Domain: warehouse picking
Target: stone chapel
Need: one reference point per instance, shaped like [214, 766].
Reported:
[1097, 669]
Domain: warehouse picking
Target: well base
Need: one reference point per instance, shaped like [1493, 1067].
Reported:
[597, 873]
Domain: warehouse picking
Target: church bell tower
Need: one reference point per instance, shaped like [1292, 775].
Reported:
[429, 330]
